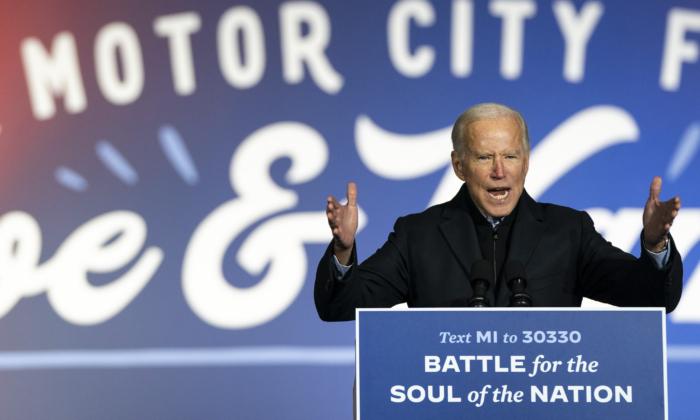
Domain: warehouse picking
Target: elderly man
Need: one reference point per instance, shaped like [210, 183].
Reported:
[426, 261]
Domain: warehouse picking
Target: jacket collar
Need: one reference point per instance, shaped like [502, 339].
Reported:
[460, 233]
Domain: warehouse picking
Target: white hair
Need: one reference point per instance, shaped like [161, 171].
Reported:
[487, 111]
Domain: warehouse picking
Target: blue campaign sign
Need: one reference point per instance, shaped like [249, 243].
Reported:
[511, 363]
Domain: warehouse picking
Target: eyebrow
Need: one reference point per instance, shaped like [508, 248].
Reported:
[511, 152]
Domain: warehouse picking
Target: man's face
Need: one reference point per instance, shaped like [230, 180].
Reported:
[494, 165]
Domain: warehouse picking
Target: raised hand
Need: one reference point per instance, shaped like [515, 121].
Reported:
[343, 223]
[658, 217]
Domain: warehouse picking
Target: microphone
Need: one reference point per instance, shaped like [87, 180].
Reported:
[515, 278]
[481, 273]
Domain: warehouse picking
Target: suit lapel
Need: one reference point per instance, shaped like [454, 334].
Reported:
[526, 232]
[460, 234]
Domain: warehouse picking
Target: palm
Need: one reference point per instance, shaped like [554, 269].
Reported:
[343, 221]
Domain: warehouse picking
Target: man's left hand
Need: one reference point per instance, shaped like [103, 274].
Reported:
[658, 217]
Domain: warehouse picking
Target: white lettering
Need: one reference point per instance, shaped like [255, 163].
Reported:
[484, 362]
[277, 245]
[450, 363]
[483, 337]
[178, 28]
[535, 393]
[462, 38]
[498, 367]
[516, 363]
[678, 50]
[298, 49]
[513, 13]
[575, 390]
[577, 31]
[467, 362]
[440, 397]
[421, 393]
[450, 398]
[52, 74]
[399, 37]
[237, 22]
[608, 394]
[483, 393]
[620, 393]
[118, 38]
[398, 395]
[559, 394]
[432, 363]
[102, 245]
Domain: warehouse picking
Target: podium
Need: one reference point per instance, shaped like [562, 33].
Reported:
[508, 363]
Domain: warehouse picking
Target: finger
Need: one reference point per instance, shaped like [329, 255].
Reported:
[352, 194]
[655, 189]
[333, 201]
[674, 205]
[674, 202]
[667, 212]
[332, 223]
[671, 207]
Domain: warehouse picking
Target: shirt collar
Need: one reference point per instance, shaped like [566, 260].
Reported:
[494, 222]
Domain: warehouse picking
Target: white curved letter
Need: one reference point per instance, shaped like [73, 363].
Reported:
[20, 249]
[399, 37]
[579, 137]
[278, 242]
[93, 248]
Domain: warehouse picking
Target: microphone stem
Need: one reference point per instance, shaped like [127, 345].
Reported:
[495, 269]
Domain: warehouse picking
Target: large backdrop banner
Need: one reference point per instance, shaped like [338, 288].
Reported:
[164, 168]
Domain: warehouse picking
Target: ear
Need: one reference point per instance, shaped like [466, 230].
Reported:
[527, 162]
[458, 166]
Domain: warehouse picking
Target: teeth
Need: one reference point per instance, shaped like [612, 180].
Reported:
[500, 197]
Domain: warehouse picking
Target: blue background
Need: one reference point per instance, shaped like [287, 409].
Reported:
[623, 64]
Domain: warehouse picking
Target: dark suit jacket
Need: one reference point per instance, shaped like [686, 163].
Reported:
[426, 262]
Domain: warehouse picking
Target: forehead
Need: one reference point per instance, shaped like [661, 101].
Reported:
[497, 133]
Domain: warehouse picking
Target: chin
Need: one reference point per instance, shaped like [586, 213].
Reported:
[501, 212]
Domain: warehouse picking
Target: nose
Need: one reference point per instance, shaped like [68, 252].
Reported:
[498, 171]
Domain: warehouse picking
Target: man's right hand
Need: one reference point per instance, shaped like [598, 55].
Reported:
[343, 223]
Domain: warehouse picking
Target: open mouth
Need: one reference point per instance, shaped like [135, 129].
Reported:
[499, 193]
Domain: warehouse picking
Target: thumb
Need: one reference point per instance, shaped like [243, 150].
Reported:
[655, 189]
[352, 194]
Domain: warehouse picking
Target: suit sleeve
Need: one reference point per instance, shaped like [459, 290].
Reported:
[381, 281]
[613, 276]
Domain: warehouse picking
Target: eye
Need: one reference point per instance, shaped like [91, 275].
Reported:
[482, 158]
